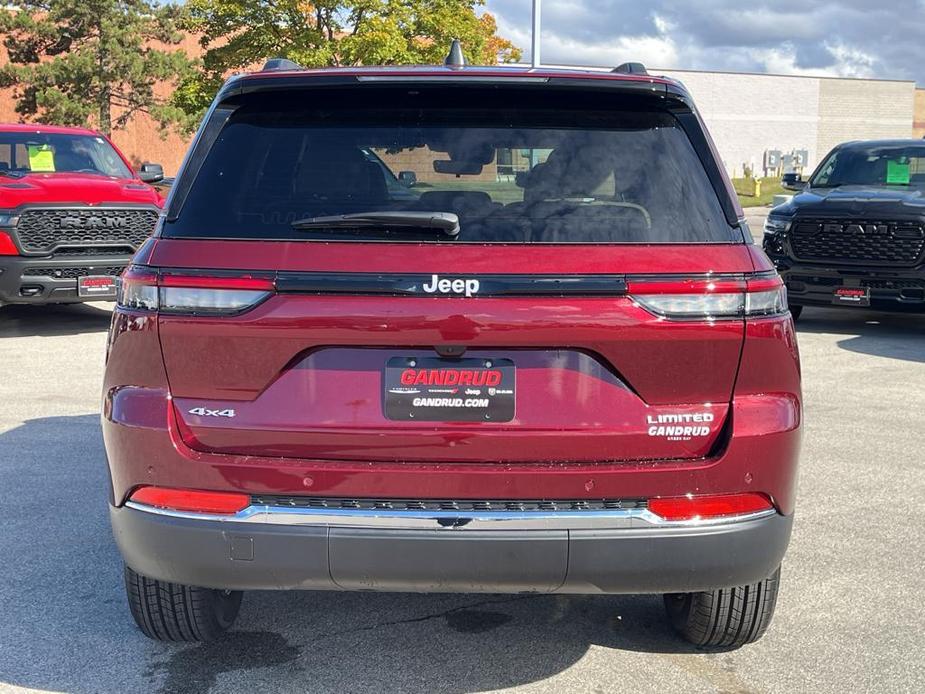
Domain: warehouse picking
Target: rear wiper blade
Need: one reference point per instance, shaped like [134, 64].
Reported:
[12, 174]
[446, 222]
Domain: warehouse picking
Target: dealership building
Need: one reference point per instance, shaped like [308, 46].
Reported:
[771, 122]
[768, 124]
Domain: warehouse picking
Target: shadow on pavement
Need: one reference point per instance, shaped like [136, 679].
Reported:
[53, 319]
[65, 625]
[891, 335]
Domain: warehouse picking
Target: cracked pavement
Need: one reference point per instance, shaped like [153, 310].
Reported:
[848, 619]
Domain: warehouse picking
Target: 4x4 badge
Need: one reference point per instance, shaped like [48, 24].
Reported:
[204, 412]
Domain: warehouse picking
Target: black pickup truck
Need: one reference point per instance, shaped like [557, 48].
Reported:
[854, 234]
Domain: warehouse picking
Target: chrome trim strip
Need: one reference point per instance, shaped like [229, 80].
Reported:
[610, 519]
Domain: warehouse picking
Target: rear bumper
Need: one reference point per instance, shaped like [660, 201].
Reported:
[36, 280]
[760, 456]
[615, 554]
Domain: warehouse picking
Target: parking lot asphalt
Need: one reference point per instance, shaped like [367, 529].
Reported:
[850, 616]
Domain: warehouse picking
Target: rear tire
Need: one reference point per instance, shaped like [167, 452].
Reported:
[795, 311]
[172, 612]
[725, 618]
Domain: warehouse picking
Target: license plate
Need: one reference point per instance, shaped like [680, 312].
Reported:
[99, 286]
[853, 296]
[431, 389]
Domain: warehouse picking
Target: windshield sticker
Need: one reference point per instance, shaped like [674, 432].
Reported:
[897, 172]
[41, 158]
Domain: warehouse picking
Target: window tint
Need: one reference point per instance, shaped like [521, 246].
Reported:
[511, 176]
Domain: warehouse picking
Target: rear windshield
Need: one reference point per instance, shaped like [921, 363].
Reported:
[510, 175]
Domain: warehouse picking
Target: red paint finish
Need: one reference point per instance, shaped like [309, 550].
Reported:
[570, 408]
[148, 444]
[760, 455]
[303, 374]
[75, 188]
[7, 247]
[664, 362]
[471, 72]
[42, 128]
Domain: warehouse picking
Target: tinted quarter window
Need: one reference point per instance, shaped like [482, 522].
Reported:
[511, 175]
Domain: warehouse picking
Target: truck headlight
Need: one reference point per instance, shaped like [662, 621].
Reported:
[774, 225]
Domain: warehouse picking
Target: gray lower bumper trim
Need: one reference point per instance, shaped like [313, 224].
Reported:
[244, 556]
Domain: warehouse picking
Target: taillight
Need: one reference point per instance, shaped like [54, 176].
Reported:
[137, 289]
[704, 506]
[191, 500]
[710, 299]
[169, 292]
[765, 296]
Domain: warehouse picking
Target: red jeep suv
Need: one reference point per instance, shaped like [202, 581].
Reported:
[452, 329]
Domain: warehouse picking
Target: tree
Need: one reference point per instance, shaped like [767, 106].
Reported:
[76, 62]
[240, 34]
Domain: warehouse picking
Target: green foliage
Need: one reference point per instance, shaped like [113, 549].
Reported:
[78, 62]
[240, 34]
[744, 188]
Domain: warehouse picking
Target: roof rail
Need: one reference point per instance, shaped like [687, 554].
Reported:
[455, 57]
[631, 69]
[280, 64]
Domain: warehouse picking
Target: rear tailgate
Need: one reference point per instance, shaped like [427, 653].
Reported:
[595, 377]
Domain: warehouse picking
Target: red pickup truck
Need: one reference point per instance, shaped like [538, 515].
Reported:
[72, 213]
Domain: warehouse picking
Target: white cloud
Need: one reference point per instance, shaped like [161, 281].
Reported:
[650, 50]
[849, 38]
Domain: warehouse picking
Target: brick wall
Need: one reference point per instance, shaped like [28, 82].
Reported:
[918, 125]
[863, 110]
[748, 114]
[142, 140]
[421, 161]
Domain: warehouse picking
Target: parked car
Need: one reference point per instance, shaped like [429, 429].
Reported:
[854, 235]
[72, 214]
[589, 384]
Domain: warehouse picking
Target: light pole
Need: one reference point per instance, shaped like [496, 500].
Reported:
[535, 52]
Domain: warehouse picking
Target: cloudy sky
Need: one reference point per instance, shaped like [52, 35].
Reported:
[850, 38]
